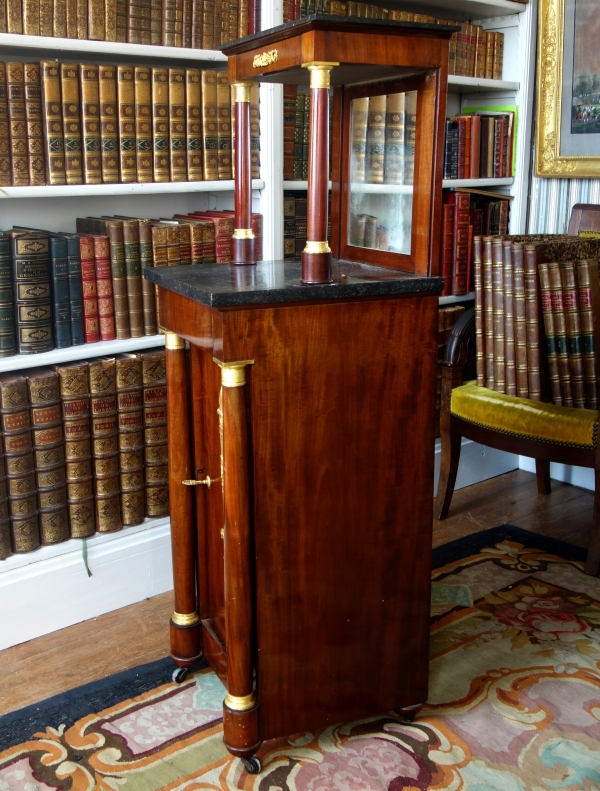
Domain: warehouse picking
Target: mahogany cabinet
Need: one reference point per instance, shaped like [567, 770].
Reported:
[301, 421]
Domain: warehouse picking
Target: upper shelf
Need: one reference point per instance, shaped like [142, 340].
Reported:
[41, 47]
[458, 84]
[389, 189]
[464, 10]
[153, 188]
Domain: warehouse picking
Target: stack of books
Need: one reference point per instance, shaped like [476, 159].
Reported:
[480, 145]
[201, 24]
[68, 123]
[84, 449]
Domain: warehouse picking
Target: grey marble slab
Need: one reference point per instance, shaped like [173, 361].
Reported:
[272, 282]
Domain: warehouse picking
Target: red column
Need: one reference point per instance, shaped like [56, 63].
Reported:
[243, 238]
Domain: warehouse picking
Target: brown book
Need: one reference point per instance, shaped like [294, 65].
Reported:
[155, 433]
[156, 21]
[520, 321]
[532, 258]
[71, 123]
[196, 33]
[193, 102]
[31, 17]
[104, 288]
[186, 24]
[109, 131]
[474, 157]
[52, 123]
[122, 20]
[90, 121]
[82, 20]
[126, 102]
[160, 124]
[17, 118]
[146, 21]
[14, 16]
[509, 325]
[131, 246]
[105, 444]
[573, 330]
[210, 125]
[110, 20]
[5, 169]
[551, 348]
[560, 334]
[148, 289]
[71, 18]
[488, 312]
[60, 19]
[255, 130]
[134, 21]
[177, 125]
[208, 24]
[4, 29]
[35, 135]
[584, 288]
[479, 334]
[143, 123]
[498, 305]
[172, 23]
[96, 20]
[131, 446]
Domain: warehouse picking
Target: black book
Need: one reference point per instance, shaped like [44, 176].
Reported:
[448, 150]
[61, 299]
[75, 289]
[30, 254]
[8, 340]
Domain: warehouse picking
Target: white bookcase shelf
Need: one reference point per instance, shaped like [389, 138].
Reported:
[91, 190]
[451, 299]
[505, 182]
[463, 10]
[457, 84]
[405, 188]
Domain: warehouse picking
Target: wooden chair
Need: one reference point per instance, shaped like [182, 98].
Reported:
[542, 431]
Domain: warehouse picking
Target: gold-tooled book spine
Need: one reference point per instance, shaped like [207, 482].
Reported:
[103, 403]
[134, 21]
[573, 328]
[59, 19]
[131, 456]
[143, 123]
[177, 153]
[5, 171]
[210, 123]
[122, 20]
[72, 21]
[255, 130]
[155, 433]
[488, 312]
[551, 346]
[156, 22]
[193, 97]
[14, 16]
[479, 335]
[32, 291]
[532, 256]
[243, 19]
[3, 21]
[148, 290]
[375, 150]
[173, 248]
[520, 320]
[82, 19]
[31, 17]
[52, 123]
[169, 12]
[110, 20]
[185, 243]
[234, 20]
[560, 334]
[133, 271]
[208, 24]
[498, 303]
[224, 127]
[186, 25]
[146, 22]
[119, 278]
[126, 100]
[90, 117]
[509, 321]
[218, 20]
[71, 123]
[196, 33]
[17, 118]
[160, 123]
[35, 136]
[393, 168]
[96, 20]
[109, 133]
[587, 333]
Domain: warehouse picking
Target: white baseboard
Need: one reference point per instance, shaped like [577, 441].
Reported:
[49, 589]
[577, 476]
[477, 463]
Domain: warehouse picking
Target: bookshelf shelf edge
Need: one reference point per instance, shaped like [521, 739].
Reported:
[94, 190]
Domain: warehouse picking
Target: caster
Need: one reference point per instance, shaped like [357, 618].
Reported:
[252, 765]
[180, 674]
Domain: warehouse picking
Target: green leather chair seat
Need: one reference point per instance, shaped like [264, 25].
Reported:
[520, 417]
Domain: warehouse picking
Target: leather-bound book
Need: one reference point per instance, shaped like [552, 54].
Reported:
[146, 21]
[177, 124]
[533, 256]
[560, 334]
[479, 335]
[573, 329]
[148, 290]
[488, 311]
[186, 24]
[71, 123]
[243, 19]
[52, 123]
[104, 288]
[289, 227]
[156, 21]
[48, 445]
[61, 298]
[8, 341]
[193, 102]
[210, 125]
[448, 211]
[59, 19]
[551, 346]
[89, 288]
[460, 259]
[520, 321]
[75, 400]
[14, 16]
[584, 293]
[191, 249]
[509, 323]
[173, 248]
[160, 123]
[105, 444]
[208, 24]
[19, 462]
[90, 123]
[410, 130]
[131, 444]
[5, 170]
[72, 19]
[159, 244]
[5, 542]
[475, 152]
[109, 127]
[358, 161]
[143, 123]
[289, 124]
[31, 17]
[96, 20]
[127, 143]
[110, 20]
[393, 168]
[30, 253]
[196, 32]
[134, 21]
[498, 304]
[375, 150]
[172, 23]
[122, 20]
[33, 113]
[82, 19]
[133, 269]
[217, 20]
[255, 130]
[15, 84]
[155, 433]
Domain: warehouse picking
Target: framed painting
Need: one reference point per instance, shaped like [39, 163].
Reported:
[568, 89]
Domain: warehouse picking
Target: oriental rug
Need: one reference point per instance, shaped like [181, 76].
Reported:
[514, 701]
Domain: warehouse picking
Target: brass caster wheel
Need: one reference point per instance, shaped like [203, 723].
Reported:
[180, 674]
[252, 765]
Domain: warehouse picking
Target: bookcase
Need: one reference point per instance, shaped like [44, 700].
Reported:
[135, 563]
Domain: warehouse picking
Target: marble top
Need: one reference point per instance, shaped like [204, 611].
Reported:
[271, 282]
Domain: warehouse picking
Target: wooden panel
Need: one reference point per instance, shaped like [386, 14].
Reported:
[186, 318]
[377, 48]
[214, 649]
[341, 405]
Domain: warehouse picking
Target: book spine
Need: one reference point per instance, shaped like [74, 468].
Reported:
[5, 539]
[255, 130]
[122, 21]
[160, 123]
[243, 19]
[131, 244]
[75, 290]
[520, 321]
[127, 143]
[209, 125]
[393, 169]
[71, 123]
[305, 134]
[31, 17]
[52, 123]
[90, 289]
[177, 123]
[155, 434]
[461, 143]
[82, 19]
[186, 23]
[104, 288]
[224, 127]
[573, 329]
[8, 341]
[14, 16]
[475, 153]
[509, 323]
[289, 123]
[33, 113]
[532, 255]
[460, 244]
[560, 334]
[96, 20]
[194, 123]
[148, 290]
[498, 303]
[61, 299]
[196, 32]
[90, 119]
[59, 21]
[169, 23]
[488, 308]
[448, 210]
[109, 136]
[208, 24]
[359, 137]
[156, 22]
[71, 7]
[5, 170]
[173, 249]
[15, 85]
[551, 346]
[584, 294]
[131, 442]
[119, 279]
[134, 21]
[32, 291]
[479, 334]
[146, 12]
[410, 131]
[498, 56]
[375, 153]
[448, 149]
[110, 20]
[143, 123]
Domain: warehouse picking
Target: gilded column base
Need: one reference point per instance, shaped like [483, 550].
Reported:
[240, 731]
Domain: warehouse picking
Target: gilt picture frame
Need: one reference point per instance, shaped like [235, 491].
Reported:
[568, 89]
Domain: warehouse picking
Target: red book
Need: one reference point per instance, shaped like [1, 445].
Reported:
[90, 293]
[104, 288]
[461, 243]
[223, 232]
[474, 159]
[461, 125]
[447, 240]
[470, 261]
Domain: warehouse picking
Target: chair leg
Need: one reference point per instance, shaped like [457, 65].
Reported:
[542, 474]
[592, 565]
[448, 467]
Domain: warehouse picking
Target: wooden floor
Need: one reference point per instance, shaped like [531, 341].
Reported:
[36, 670]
